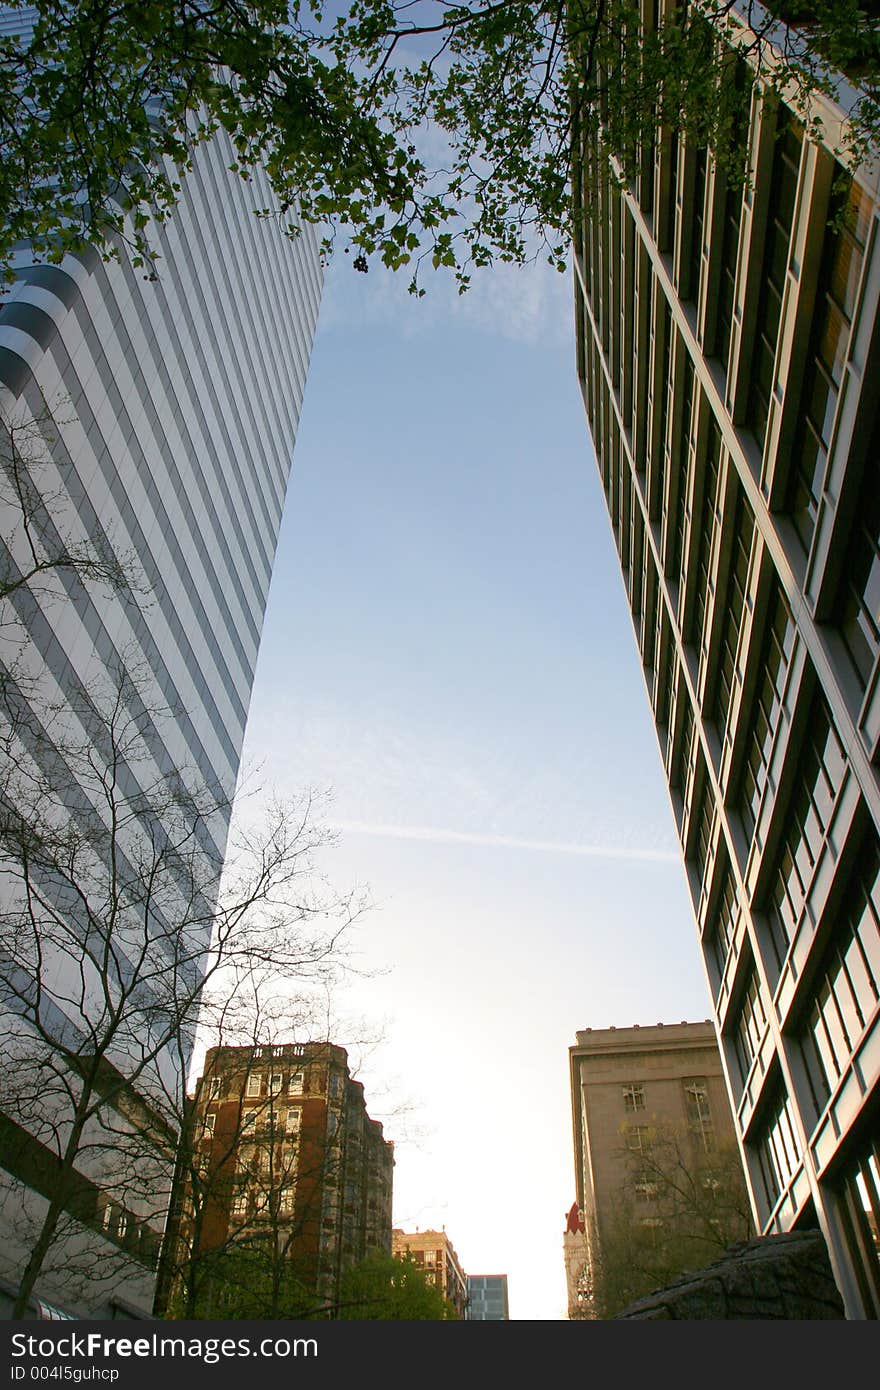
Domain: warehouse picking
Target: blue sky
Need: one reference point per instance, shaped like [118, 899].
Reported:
[448, 646]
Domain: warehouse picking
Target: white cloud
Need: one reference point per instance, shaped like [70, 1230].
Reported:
[530, 303]
[403, 781]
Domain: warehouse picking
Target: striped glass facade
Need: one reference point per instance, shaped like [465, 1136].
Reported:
[164, 409]
[727, 344]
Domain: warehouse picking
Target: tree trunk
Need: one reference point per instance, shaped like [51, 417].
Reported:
[44, 1240]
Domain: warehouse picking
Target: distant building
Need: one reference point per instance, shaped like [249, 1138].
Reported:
[487, 1298]
[281, 1148]
[577, 1264]
[433, 1251]
[639, 1095]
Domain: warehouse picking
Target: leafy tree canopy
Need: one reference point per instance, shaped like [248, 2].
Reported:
[418, 128]
[388, 1288]
[246, 1281]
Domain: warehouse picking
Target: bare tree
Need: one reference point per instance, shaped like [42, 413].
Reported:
[46, 559]
[117, 918]
[38, 549]
[283, 1183]
[681, 1204]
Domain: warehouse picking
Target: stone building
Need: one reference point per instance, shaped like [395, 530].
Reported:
[654, 1141]
[576, 1255]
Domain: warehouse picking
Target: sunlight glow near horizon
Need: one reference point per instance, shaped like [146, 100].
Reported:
[448, 645]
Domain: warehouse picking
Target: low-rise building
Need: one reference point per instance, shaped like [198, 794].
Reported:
[433, 1251]
[487, 1298]
[658, 1171]
[577, 1265]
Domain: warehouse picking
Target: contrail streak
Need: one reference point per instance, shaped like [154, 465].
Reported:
[463, 837]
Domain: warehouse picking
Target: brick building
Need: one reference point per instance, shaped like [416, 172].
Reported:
[282, 1158]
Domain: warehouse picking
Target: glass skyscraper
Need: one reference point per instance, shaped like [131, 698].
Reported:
[160, 412]
[487, 1298]
[727, 342]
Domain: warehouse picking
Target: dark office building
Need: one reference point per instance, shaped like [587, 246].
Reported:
[729, 360]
